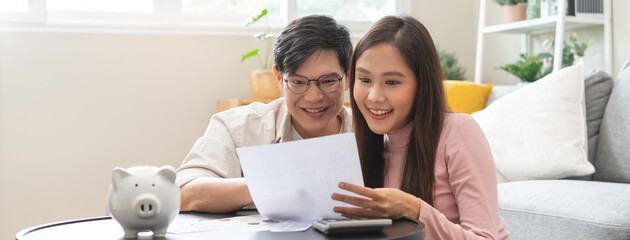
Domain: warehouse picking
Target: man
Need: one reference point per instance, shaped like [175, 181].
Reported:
[312, 55]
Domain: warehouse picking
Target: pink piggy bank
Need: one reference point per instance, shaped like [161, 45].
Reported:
[143, 198]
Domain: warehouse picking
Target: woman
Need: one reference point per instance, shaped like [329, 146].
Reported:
[419, 162]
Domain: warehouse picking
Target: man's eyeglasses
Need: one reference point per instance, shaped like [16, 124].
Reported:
[300, 84]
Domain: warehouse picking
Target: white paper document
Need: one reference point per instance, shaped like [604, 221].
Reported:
[252, 223]
[294, 180]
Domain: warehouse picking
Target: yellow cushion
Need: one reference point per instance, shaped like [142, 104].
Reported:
[466, 97]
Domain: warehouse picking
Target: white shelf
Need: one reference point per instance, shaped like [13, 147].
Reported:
[544, 25]
[552, 24]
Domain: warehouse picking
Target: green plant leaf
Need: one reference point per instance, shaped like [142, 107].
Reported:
[532, 68]
[255, 18]
[573, 38]
[250, 54]
[263, 35]
[529, 69]
[265, 57]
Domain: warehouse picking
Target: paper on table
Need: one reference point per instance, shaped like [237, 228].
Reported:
[252, 223]
[296, 179]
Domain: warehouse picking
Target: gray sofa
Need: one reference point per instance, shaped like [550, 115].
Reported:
[590, 207]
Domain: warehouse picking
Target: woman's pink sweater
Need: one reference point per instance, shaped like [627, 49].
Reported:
[465, 187]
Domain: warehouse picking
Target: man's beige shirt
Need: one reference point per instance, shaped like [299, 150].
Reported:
[214, 154]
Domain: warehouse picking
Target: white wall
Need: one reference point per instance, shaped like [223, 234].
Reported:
[453, 26]
[75, 105]
[621, 33]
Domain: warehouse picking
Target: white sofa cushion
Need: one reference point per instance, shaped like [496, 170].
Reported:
[539, 130]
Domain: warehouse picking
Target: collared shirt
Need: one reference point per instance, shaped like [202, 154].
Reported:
[214, 153]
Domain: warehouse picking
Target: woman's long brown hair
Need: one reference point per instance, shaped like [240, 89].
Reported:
[414, 43]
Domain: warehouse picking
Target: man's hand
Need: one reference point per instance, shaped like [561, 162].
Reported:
[216, 195]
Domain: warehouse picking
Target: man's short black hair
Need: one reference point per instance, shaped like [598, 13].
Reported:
[304, 36]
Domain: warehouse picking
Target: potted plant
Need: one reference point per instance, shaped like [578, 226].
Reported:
[451, 68]
[513, 10]
[263, 81]
[532, 68]
[570, 51]
[528, 68]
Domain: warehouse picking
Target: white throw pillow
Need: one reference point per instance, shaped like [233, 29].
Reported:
[539, 130]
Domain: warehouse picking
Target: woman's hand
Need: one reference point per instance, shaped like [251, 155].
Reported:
[378, 203]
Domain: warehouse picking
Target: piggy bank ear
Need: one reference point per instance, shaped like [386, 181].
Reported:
[168, 173]
[117, 175]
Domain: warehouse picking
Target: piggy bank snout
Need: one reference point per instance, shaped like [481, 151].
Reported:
[146, 206]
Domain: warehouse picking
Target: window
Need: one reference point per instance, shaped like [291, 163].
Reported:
[228, 8]
[228, 12]
[347, 10]
[13, 6]
[137, 6]
[187, 15]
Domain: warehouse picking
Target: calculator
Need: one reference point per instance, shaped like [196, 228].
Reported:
[346, 225]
